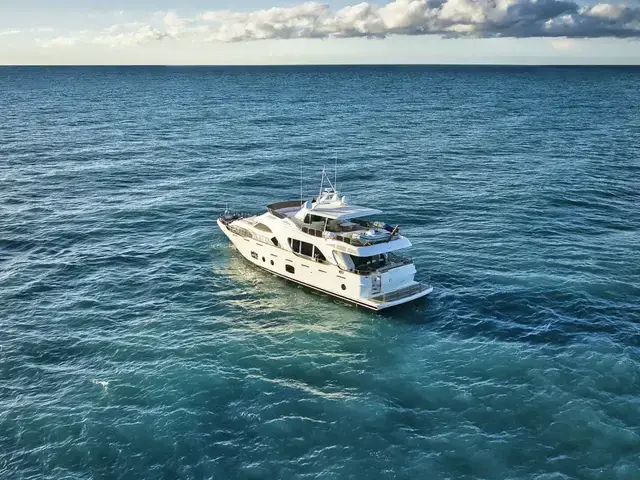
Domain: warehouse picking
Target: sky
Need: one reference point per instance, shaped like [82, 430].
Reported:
[263, 32]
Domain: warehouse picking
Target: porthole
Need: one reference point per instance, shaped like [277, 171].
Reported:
[272, 262]
[263, 259]
[344, 287]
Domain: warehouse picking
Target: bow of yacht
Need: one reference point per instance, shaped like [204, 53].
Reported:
[325, 244]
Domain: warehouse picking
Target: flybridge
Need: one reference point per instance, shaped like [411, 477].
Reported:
[343, 211]
[331, 217]
[335, 210]
[330, 205]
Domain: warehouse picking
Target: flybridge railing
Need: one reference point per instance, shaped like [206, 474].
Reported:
[356, 242]
[275, 208]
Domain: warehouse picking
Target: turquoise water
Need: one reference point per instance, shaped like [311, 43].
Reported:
[136, 343]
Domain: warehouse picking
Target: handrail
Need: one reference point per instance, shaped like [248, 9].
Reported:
[360, 243]
[243, 232]
[232, 216]
[342, 238]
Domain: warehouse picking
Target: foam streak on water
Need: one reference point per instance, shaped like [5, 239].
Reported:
[135, 343]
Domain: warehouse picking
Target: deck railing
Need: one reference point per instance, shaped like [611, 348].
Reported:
[356, 242]
[243, 232]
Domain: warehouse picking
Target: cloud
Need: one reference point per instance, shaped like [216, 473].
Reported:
[10, 31]
[449, 18]
[446, 18]
[120, 27]
[62, 41]
[309, 20]
[115, 36]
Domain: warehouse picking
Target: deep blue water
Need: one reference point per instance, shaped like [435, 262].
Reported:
[135, 342]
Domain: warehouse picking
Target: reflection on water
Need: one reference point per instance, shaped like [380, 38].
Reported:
[272, 303]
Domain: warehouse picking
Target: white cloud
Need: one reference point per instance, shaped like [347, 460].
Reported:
[175, 25]
[10, 31]
[447, 18]
[119, 27]
[606, 10]
[61, 41]
[303, 21]
[137, 36]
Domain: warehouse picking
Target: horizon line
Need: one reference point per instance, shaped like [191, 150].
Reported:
[205, 65]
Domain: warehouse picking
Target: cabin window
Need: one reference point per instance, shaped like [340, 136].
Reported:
[274, 240]
[318, 255]
[294, 244]
[372, 262]
[300, 247]
[263, 227]
[306, 249]
[313, 218]
[254, 255]
[290, 269]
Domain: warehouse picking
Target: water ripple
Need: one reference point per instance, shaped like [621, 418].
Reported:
[137, 343]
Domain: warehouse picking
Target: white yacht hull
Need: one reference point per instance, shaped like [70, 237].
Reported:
[328, 278]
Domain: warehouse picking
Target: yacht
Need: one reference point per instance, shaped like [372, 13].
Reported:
[325, 244]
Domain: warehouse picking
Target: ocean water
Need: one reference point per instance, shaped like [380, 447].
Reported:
[136, 343]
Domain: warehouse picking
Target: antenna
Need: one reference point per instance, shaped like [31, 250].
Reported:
[301, 182]
[326, 178]
[321, 182]
[335, 175]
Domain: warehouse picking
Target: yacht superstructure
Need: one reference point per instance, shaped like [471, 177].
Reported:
[325, 244]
